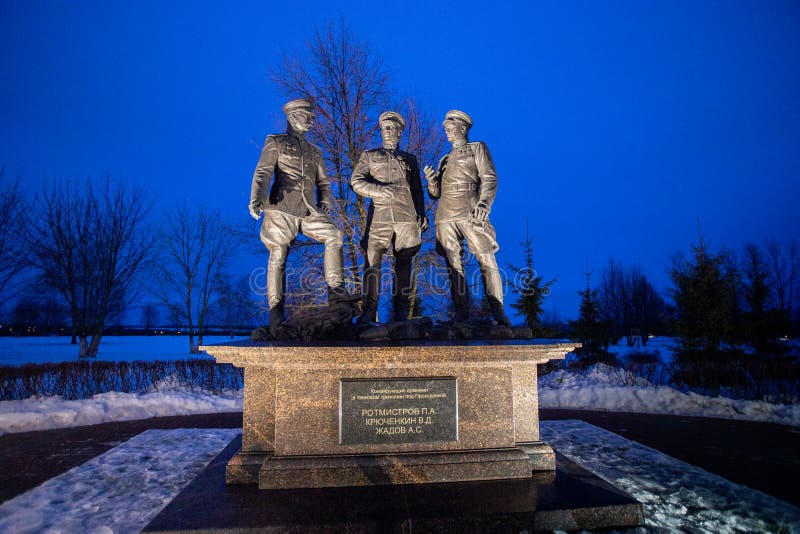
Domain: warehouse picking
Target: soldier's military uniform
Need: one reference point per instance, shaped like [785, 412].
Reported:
[298, 202]
[464, 179]
[390, 221]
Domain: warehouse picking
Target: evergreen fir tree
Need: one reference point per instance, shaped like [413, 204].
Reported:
[591, 329]
[705, 296]
[530, 288]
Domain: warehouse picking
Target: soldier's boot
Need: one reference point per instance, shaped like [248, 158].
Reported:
[493, 284]
[369, 313]
[458, 290]
[276, 318]
[369, 316]
[334, 261]
[498, 312]
[403, 284]
[400, 308]
[339, 294]
[276, 282]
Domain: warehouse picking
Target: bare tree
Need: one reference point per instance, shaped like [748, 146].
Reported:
[150, 315]
[615, 299]
[349, 85]
[12, 249]
[784, 262]
[196, 248]
[630, 302]
[89, 243]
[39, 312]
[234, 308]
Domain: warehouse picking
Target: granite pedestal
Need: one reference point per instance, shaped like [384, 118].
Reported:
[340, 415]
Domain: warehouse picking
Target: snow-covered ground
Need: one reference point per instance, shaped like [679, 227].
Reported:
[22, 350]
[121, 490]
[601, 387]
[42, 413]
[125, 488]
[663, 346]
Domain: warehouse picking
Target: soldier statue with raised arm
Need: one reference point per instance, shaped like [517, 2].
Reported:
[396, 216]
[298, 202]
[466, 183]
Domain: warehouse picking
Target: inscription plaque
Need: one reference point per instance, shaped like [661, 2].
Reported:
[409, 410]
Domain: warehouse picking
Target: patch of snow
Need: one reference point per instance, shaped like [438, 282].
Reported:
[677, 497]
[22, 350]
[658, 344]
[119, 491]
[605, 388]
[42, 413]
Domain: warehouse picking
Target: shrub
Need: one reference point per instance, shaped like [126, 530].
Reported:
[647, 365]
[82, 379]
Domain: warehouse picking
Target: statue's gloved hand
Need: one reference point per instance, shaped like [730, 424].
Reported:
[422, 223]
[430, 173]
[387, 192]
[255, 209]
[480, 212]
[323, 207]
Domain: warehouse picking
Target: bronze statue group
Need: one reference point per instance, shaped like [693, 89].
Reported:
[299, 201]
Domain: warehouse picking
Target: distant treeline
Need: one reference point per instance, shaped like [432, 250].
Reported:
[31, 330]
[73, 264]
[75, 256]
[732, 316]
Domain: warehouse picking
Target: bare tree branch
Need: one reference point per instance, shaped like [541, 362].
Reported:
[350, 88]
[13, 259]
[196, 247]
[89, 243]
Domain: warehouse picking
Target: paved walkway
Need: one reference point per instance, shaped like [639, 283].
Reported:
[763, 456]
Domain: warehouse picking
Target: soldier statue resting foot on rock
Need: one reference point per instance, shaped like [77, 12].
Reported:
[466, 181]
[390, 177]
[298, 202]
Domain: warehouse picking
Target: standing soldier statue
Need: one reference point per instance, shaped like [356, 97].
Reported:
[390, 177]
[299, 202]
[466, 181]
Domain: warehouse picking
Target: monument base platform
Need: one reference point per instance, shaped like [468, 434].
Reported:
[409, 468]
[271, 472]
[569, 498]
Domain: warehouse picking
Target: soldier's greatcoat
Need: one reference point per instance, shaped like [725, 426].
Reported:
[390, 221]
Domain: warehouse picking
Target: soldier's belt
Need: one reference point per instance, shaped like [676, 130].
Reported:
[462, 187]
[286, 187]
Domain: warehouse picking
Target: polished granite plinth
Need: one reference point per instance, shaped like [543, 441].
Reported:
[293, 412]
[569, 498]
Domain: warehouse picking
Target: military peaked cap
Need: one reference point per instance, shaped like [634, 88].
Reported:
[299, 104]
[459, 116]
[392, 116]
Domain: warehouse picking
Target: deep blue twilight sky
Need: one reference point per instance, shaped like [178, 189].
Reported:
[616, 127]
